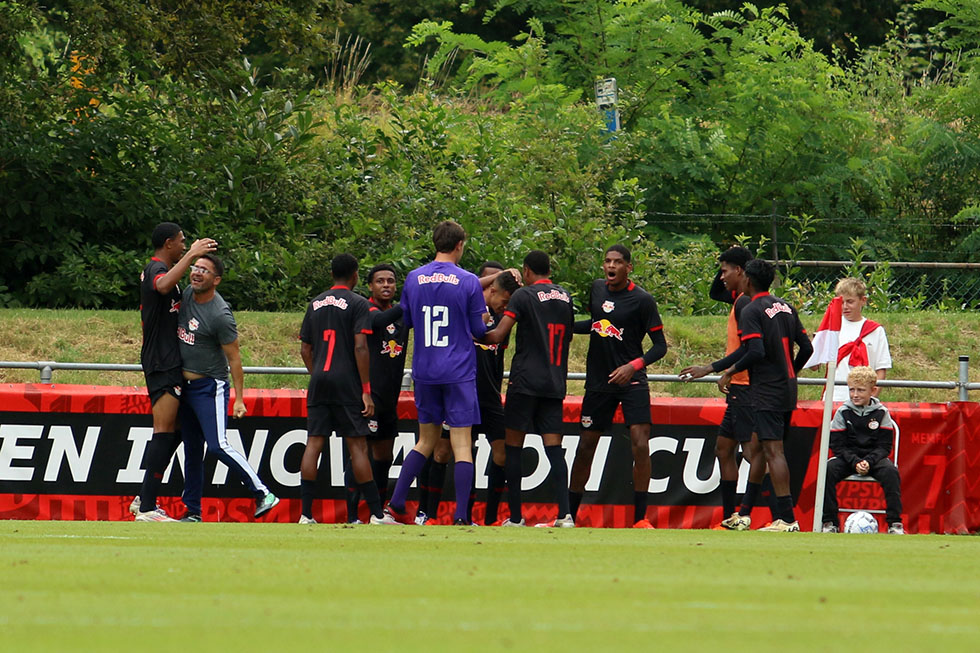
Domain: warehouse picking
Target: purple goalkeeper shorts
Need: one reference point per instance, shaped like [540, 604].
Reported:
[456, 404]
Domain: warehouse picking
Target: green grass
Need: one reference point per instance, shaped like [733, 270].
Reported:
[924, 345]
[100, 586]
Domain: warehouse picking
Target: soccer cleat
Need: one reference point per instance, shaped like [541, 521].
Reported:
[829, 527]
[375, 521]
[394, 516]
[643, 523]
[265, 504]
[459, 521]
[779, 526]
[192, 518]
[134, 507]
[303, 519]
[421, 518]
[737, 522]
[564, 522]
[157, 514]
[896, 528]
[508, 522]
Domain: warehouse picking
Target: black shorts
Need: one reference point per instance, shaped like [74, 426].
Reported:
[738, 422]
[383, 426]
[493, 424]
[530, 414]
[772, 424]
[164, 382]
[598, 408]
[347, 421]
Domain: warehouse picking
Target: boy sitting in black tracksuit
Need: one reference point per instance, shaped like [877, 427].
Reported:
[861, 436]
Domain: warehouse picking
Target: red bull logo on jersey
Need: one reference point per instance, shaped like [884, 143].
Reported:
[330, 300]
[391, 348]
[486, 347]
[193, 324]
[586, 421]
[438, 277]
[607, 329]
[185, 336]
[778, 308]
[608, 306]
[554, 293]
[373, 425]
[391, 329]
[174, 306]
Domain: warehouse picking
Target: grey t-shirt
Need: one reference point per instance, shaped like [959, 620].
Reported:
[202, 329]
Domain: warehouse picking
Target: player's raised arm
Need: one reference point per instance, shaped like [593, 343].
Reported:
[499, 333]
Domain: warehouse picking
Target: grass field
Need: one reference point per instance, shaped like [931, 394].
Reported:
[99, 586]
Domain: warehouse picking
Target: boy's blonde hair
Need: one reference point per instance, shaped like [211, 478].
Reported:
[862, 375]
[851, 286]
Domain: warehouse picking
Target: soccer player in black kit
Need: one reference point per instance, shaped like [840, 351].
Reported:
[622, 315]
[160, 356]
[769, 327]
[538, 374]
[387, 343]
[335, 351]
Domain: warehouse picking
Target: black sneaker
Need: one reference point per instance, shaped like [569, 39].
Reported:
[191, 517]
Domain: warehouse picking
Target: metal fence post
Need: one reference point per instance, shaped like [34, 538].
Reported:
[45, 372]
[964, 377]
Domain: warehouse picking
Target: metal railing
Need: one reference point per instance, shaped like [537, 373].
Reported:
[47, 369]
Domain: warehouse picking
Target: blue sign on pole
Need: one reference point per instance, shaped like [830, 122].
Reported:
[606, 98]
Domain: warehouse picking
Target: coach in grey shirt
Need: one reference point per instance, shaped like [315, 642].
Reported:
[208, 339]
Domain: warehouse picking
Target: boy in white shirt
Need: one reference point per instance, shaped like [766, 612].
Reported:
[862, 341]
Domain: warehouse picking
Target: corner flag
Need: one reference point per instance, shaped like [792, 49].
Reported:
[825, 345]
[827, 339]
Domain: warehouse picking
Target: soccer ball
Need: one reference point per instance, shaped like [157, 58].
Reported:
[861, 522]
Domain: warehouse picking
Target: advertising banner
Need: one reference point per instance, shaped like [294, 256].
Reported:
[76, 452]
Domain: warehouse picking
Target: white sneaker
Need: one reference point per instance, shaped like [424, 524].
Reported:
[387, 519]
[153, 515]
[508, 522]
[779, 526]
[134, 507]
[829, 527]
[303, 519]
[564, 522]
[421, 518]
[737, 522]
[896, 529]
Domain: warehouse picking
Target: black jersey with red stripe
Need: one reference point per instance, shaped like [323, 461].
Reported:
[545, 319]
[387, 344]
[490, 366]
[332, 319]
[621, 319]
[773, 378]
[158, 313]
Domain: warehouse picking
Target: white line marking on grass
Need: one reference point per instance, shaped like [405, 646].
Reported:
[84, 537]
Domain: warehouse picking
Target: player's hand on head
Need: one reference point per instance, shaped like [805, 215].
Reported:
[203, 246]
[517, 275]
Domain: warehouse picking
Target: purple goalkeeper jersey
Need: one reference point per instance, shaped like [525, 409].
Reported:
[444, 305]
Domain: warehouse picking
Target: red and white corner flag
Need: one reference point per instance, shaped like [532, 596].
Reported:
[825, 345]
[827, 339]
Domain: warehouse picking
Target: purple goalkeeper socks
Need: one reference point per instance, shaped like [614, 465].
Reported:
[463, 479]
[410, 469]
